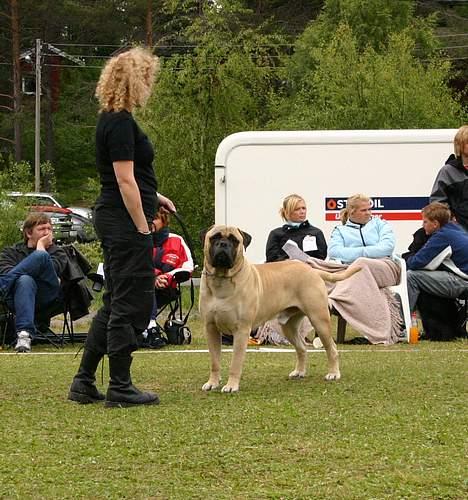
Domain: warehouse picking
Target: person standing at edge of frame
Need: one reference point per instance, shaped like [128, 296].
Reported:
[451, 183]
[123, 213]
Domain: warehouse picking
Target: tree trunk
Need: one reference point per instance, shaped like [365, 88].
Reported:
[49, 124]
[149, 23]
[16, 79]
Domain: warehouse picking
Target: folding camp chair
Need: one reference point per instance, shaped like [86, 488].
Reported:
[175, 325]
[7, 324]
[43, 331]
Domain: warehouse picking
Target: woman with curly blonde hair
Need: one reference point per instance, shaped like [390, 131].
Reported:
[123, 213]
[126, 80]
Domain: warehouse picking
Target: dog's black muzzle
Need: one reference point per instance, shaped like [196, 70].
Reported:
[222, 253]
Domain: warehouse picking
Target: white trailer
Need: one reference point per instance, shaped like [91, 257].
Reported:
[254, 171]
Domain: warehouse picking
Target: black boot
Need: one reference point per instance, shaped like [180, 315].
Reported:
[121, 392]
[83, 389]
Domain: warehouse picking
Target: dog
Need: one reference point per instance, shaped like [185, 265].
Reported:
[237, 296]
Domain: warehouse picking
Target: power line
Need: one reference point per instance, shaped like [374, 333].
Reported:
[454, 58]
[163, 46]
[453, 47]
[70, 66]
[447, 36]
[85, 45]
[194, 46]
[166, 69]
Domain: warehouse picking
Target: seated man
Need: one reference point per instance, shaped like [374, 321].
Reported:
[29, 276]
[442, 318]
[170, 256]
[440, 267]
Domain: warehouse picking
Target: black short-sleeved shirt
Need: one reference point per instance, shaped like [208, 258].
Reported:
[119, 138]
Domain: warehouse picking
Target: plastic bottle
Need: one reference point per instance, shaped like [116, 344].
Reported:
[414, 330]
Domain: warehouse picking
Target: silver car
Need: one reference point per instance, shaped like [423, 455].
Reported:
[69, 223]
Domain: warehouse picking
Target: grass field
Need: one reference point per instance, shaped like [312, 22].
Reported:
[395, 426]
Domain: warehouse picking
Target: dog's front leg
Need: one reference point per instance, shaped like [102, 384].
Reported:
[214, 346]
[241, 339]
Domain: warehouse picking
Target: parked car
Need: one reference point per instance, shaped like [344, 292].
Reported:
[69, 223]
[52, 201]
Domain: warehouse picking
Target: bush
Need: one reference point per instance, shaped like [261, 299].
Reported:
[92, 251]
[11, 215]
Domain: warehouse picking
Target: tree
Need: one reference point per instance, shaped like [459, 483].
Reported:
[371, 21]
[353, 89]
[344, 76]
[201, 98]
[15, 45]
[10, 89]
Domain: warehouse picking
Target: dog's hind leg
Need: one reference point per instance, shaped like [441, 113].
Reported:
[241, 339]
[291, 332]
[322, 326]
[214, 346]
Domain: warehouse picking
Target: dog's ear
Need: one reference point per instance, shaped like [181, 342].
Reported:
[246, 238]
[202, 235]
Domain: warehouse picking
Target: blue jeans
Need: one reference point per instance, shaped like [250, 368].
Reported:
[30, 285]
[162, 296]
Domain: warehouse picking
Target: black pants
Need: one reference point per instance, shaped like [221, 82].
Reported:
[443, 319]
[129, 284]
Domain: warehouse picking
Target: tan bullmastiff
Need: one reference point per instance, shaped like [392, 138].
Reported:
[237, 296]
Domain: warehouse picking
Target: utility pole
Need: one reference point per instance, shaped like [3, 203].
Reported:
[37, 127]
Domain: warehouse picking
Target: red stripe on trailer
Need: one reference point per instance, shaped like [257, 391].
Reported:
[335, 216]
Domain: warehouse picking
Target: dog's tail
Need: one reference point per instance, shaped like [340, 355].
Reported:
[339, 276]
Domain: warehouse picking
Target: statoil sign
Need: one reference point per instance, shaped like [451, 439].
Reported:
[389, 208]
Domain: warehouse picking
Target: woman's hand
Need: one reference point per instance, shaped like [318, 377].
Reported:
[161, 281]
[166, 203]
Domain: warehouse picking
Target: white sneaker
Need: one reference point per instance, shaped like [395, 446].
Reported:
[23, 343]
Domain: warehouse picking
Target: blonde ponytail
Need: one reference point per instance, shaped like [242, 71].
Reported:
[344, 216]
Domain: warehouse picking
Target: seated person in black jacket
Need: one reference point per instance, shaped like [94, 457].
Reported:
[451, 183]
[29, 276]
[308, 238]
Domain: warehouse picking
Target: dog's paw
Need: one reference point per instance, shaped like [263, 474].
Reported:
[209, 386]
[230, 388]
[296, 374]
[332, 376]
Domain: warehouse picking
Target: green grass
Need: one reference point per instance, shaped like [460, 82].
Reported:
[393, 427]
